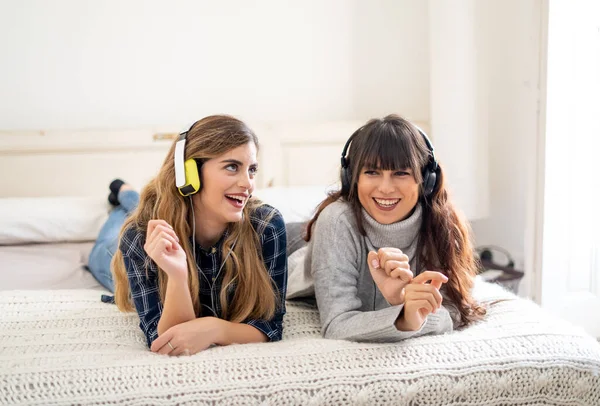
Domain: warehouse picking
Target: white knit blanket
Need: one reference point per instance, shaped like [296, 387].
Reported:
[66, 347]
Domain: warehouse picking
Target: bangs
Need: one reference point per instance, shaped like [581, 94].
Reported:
[386, 149]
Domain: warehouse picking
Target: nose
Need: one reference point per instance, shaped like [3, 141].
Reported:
[245, 180]
[386, 186]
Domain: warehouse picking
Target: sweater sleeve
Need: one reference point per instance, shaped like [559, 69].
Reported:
[335, 269]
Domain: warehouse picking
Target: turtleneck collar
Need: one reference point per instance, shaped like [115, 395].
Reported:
[402, 234]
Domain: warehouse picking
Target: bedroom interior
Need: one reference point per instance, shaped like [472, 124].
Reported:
[93, 91]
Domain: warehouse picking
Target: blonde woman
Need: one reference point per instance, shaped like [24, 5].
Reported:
[201, 261]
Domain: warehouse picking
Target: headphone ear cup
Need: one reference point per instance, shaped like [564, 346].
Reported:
[192, 178]
[346, 180]
[433, 180]
[429, 181]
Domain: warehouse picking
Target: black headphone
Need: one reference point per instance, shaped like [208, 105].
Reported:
[429, 171]
[487, 253]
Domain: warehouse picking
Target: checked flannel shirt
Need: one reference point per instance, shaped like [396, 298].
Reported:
[144, 285]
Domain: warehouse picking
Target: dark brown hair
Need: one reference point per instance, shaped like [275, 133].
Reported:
[444, 243]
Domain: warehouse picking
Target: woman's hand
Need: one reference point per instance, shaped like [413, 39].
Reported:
[162, 245]
[190, 337]
[421, 299]
[391, 272]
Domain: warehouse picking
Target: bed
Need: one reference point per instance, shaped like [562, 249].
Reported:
[59, 344]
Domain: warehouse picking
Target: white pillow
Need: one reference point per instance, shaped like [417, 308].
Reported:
[51, 219]
[300, 281]
[297, 203]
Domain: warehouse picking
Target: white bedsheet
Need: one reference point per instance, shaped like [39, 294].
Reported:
[46, 266]
[66, 347]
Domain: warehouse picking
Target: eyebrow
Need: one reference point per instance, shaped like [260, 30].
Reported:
[235, 161]
[378, 168]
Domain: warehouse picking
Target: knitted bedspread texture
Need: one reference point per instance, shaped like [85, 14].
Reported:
[67, 347]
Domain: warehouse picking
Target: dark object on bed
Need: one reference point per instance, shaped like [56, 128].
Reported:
[509, 278]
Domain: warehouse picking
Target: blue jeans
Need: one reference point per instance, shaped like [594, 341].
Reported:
[107, 242]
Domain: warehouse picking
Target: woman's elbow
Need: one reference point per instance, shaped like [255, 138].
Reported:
[332, 333]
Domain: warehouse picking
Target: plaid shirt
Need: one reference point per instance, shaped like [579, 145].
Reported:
[144, 285]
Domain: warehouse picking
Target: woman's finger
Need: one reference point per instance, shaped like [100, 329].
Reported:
[163, 246]
[181, 350]
[416, 305]
[160, 229]
[174, 244]
[163, 243]
[150, 248]
[152, 224]
[163, 249]
[391, 254]
[430, 276]
[166, 349]
[422, 295]
[437, 284]
[162, 340]
[373, 261]
[415, 287]
[402, 274]
[431, 299]
[392, 264]
[152, 238]
[150, 228]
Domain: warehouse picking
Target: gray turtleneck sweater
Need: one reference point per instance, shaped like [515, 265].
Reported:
[351, 306]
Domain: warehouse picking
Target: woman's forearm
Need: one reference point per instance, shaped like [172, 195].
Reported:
[178, 307]
[238, 333]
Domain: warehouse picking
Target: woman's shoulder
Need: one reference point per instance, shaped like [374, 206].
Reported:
[336, 212]
[132, 231]
[337, 208]
[132, 239]
[265, 217]
[336, 220]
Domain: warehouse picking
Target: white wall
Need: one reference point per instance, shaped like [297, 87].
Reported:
[459, 102]
[513, 55]
[71, 64]
[87, 63]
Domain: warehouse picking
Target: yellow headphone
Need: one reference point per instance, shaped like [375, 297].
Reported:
[187, 172]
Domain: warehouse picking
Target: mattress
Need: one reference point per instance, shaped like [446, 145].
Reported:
[66, 347]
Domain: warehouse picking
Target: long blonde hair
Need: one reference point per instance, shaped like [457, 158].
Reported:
[254, 295]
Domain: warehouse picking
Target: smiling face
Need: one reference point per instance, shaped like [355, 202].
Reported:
[388, 196]
[227, 183]
[385, 160]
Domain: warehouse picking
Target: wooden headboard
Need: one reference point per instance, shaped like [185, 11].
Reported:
[76, 163]
[82, 163]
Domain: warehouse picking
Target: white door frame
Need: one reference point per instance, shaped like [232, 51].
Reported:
[559, 278]
[534, 219]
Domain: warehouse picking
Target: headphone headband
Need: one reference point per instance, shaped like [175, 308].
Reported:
[180, 160]
[344, 160]
[432, 161]
[187, 178]
[429, 171]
